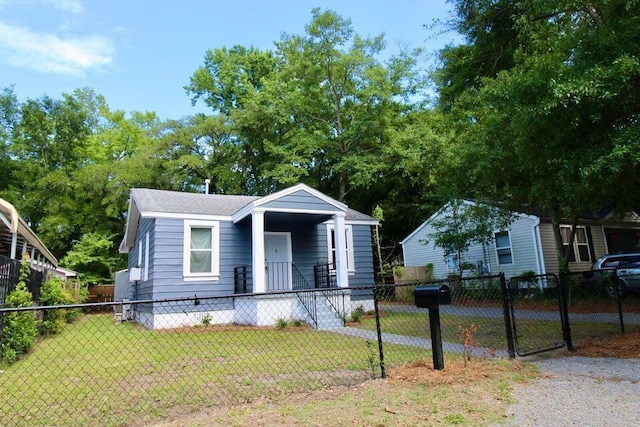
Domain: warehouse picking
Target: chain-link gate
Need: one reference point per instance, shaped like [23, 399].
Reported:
[535, 308]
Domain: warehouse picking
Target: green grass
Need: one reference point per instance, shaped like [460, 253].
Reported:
[532, 335]
[99, 372]
[491, 333]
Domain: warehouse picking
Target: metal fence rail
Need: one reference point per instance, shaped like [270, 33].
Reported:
[142, 361]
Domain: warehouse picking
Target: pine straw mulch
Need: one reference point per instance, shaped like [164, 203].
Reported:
[625, 346]
[454, 372]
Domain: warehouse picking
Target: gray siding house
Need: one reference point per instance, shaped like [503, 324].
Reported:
[186, 244]
[528, 244]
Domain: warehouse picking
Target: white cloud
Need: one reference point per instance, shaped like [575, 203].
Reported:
[73, 6]
[49, 53]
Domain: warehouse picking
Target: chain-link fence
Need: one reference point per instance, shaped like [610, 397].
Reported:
[601, 304]
[135, 362]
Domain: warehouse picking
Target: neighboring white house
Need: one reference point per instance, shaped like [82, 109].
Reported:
[17, 239]
[528, 244]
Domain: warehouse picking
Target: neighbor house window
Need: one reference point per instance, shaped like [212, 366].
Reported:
[201, 249]
[580, 248]
[504, 254]
[331, 239]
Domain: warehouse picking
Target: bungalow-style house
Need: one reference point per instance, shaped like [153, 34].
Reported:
[16, 240]
[187, 244]
[528, 244]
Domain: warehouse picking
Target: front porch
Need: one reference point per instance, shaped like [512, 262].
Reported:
[285, 276]
[298, 240]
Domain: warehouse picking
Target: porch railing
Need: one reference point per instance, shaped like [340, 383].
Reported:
[336, 300]
[308, 300]
[10, 275]
[324, 275]
[242, 280]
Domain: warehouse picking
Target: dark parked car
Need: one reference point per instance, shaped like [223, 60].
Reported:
[627, 273]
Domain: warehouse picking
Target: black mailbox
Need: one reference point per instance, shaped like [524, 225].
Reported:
[432, 296]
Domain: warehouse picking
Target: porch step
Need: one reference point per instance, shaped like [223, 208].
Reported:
[326, 316]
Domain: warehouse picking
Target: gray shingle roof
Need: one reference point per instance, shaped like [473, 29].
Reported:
[188, 203]
[163, 201]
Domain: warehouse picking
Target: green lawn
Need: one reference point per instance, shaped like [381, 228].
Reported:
[531, 334]
[99, 372]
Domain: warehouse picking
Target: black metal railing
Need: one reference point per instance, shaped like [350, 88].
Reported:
[10, 275]
[336, 300]
[242, 280]
[309, 302]
[299, 282]
[324, 275]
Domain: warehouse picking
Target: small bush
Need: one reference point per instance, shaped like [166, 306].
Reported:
[356, 315]
[281, 323]
[19, 329]
[54, 292]
[206, 319]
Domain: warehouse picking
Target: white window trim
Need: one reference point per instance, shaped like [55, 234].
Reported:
[510, 247]
[351, 268]
[146, 258]
[576, 252]
[215, 252]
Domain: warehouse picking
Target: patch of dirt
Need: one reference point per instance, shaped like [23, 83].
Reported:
[625, 346]
[455, 371]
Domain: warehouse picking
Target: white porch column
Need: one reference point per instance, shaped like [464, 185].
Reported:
[14, 244]
[257, 249]
[342, 275]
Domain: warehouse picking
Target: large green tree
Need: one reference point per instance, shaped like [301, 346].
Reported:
[544, 97]
[317, 109]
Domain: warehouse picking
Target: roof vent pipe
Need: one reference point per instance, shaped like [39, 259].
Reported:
[206, 185]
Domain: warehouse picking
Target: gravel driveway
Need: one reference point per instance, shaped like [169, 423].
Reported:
[579, 391]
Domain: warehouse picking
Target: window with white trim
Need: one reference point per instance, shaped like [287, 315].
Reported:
[332, 246]
[580, 248]
[504, 254]
[201, 249]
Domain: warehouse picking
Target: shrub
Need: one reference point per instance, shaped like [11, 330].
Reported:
[356, 314]
[53, 292]
[19, 328]
[281, 323]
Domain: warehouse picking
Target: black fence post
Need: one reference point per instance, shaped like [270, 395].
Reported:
[563, 284]
[436, 338]
[616, 283]
[506, 310]
[379, 331]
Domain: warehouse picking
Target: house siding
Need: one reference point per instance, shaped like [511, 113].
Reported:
[549, 246]
[144, 288]
[300, 200]
[420, 250]
[362, 252]
[523, 249]
[235, 250]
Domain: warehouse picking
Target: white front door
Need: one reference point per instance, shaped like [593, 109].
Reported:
[277, 252]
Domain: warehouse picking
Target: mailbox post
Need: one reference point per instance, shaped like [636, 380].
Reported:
[432, 297]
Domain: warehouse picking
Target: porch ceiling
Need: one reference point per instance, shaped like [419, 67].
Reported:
[298, 218]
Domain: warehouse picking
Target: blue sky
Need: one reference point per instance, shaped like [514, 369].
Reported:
[140, 54]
